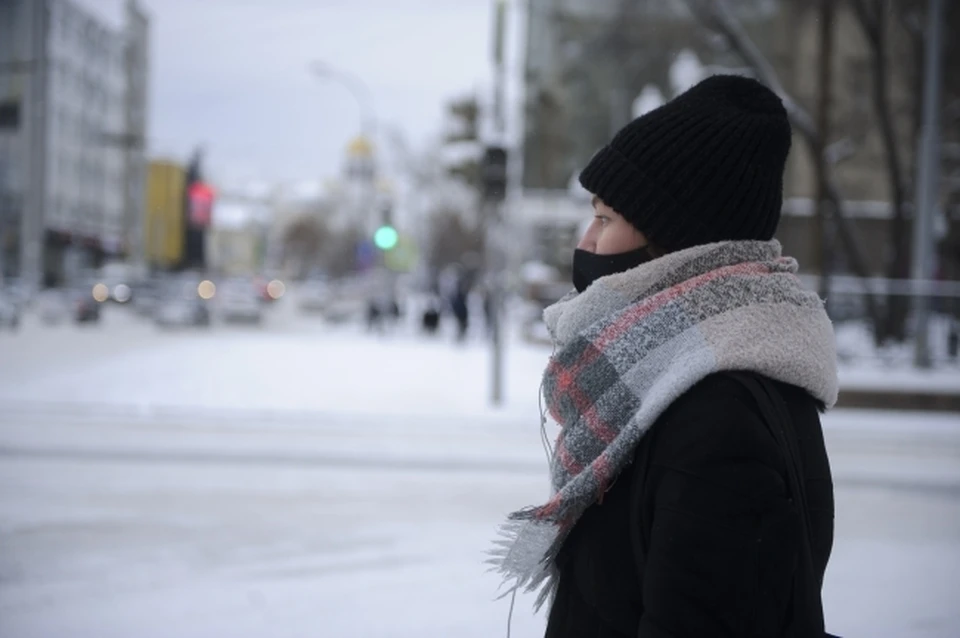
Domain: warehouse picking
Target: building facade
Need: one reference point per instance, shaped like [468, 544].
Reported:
[237, 240]
[164, 218]
[22, 28]
[76, 155]
[136, 67]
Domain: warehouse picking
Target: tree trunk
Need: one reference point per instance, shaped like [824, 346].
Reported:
[873, 22]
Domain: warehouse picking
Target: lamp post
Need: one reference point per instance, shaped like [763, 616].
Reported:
[357, 88]
[364, 99]
[928, 180]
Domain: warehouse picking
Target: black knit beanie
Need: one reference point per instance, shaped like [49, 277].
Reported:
[706, 166]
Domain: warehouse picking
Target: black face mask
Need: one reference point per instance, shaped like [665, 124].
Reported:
[588, 267]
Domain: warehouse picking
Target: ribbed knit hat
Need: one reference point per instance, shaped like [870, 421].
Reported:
[706, 166]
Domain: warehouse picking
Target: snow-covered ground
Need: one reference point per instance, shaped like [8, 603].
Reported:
[305, 481]
[864, 367]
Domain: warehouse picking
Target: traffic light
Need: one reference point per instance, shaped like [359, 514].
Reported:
[493, 174]
[386, 237]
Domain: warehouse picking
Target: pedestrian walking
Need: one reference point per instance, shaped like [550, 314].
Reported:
[430, 319]
[461, 312]
[692, 493]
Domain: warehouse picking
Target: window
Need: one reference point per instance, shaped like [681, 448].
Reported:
[10, 114]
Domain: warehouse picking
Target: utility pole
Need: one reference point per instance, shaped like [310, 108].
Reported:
[824, 208]
[928, 181]
[136, 69]
[494, 180]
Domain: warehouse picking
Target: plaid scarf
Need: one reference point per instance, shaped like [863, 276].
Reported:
[630, 345]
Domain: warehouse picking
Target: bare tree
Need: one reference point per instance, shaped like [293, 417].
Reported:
[873, 20]
[451, 239]
[338, 256]
[302, 244]
[716, 16]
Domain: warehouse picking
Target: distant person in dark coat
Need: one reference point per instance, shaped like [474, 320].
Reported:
[374, 316]
[461, 312]
[430, 320]
[692, 494]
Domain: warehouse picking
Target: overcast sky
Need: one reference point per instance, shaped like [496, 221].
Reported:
[233, 75]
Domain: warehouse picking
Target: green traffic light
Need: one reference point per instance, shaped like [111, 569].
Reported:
[386, 237]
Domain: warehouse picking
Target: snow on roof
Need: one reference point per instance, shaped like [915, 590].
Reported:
[236, 214]
[255, 190]
[306, 190]
[452, 154]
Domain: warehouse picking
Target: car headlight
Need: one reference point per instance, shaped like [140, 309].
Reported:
[121, 293]
[276, 289]
[100, 293]
[206, 289]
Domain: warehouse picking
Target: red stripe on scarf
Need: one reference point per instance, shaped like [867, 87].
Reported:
[546, 511]
[601, 474]
[569, 463]
[588, 409]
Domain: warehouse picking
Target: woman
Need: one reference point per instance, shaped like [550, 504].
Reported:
[673, 512]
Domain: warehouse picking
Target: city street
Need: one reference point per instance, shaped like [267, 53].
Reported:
[301, 480]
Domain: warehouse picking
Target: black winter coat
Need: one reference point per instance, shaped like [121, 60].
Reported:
[714, 546]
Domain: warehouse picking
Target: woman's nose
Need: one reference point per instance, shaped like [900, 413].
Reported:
[587, 242]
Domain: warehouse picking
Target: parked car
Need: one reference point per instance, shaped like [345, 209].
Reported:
[313, 296]
[146, 296]
[9, 312]
[269, 289]
[238, 300]
[84, 307]
[185, 302]
[116, 280]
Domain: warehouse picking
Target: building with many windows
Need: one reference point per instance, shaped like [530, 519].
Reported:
[72, 141]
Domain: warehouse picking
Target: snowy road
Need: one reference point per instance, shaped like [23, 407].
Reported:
[302, 482]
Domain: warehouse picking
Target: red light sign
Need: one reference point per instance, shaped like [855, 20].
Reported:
[201, 204]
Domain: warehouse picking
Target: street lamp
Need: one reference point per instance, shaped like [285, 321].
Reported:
[357, 88]
[364, 98]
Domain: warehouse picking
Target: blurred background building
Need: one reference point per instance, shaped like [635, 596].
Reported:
[164, 220]
[73, 95]
[237, 239]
